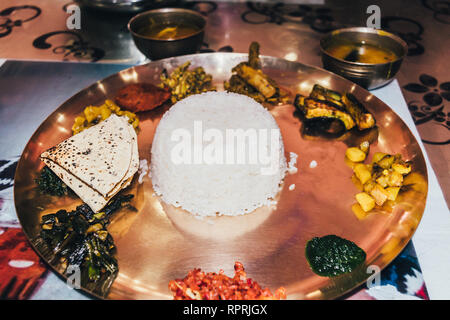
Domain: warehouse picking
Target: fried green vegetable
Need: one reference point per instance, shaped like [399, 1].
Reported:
[238, 85]
[247, 78]
[312, 108]
[325, 103]
[183, 82]
[331, 256]
[79, 238]
[321, 93]
[253, 56]
[49, 183]
[256, 79]
[363, 118]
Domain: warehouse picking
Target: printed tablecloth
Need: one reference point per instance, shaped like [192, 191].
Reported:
[37, 30]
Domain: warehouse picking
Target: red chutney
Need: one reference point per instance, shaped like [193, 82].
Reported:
[198, 285]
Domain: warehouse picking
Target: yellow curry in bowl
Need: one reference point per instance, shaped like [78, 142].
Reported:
[361, 52]
[170, 31]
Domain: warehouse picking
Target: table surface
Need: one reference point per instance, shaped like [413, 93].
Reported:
[289, 31]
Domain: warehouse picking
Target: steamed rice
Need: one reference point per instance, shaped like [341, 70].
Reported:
[217, 188]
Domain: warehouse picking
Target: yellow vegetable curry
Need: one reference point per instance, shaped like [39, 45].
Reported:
[92, 115]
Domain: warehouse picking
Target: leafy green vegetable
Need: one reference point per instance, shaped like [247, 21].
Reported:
[332, 256]
[49, 183]
[79, 238]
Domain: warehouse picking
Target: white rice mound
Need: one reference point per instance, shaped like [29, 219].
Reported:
[215, 189]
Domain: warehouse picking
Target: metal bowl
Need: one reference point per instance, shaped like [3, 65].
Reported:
[154, 48]
[124, 6]
[367, 75]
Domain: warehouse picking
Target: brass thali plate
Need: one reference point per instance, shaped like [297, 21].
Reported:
[157, 243]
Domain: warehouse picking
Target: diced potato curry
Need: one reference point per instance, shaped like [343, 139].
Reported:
[380, 181]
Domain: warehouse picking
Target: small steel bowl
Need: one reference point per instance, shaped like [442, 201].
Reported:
[118, 6]
[367, 75]
[154, 48]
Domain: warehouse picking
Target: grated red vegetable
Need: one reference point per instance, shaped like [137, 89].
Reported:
[198, 285]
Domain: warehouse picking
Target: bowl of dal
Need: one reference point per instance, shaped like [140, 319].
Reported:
[167, 32]
[369, 57]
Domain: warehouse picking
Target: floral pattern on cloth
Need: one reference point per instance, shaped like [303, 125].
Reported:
[22, 271]
[402, 279]
[431, 108]
[8, 216]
